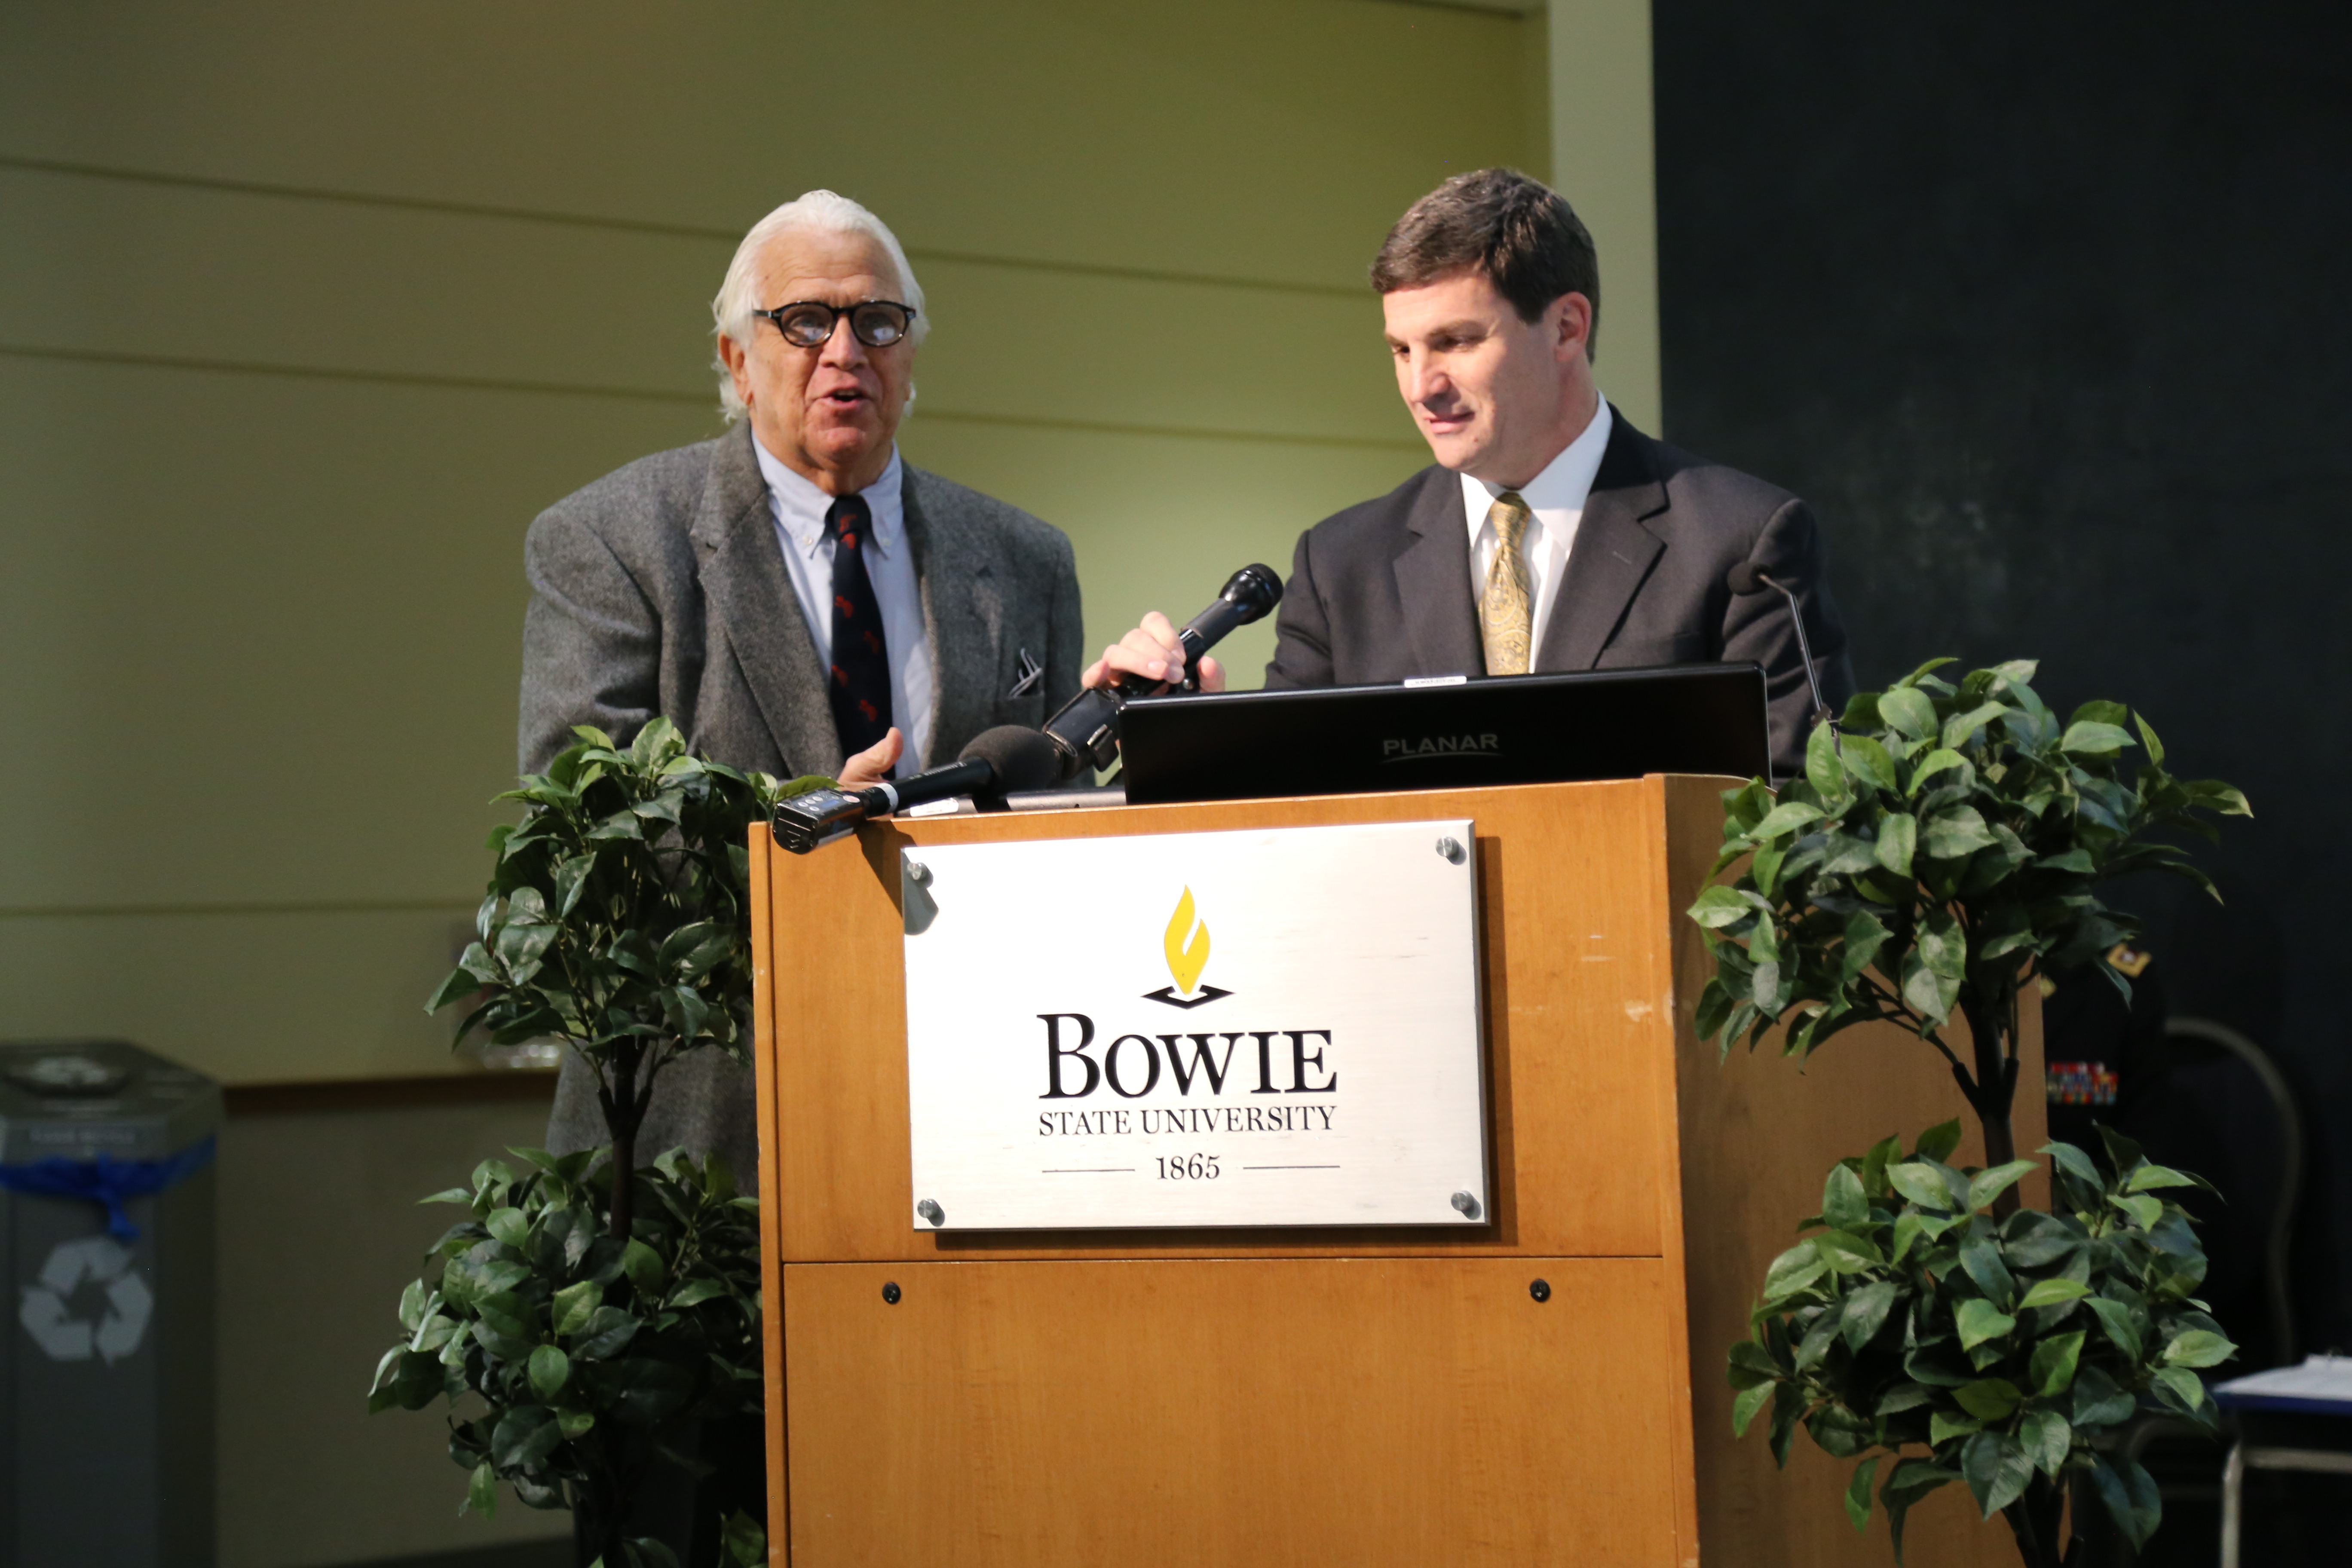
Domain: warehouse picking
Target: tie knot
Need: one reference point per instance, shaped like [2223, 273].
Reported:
[845, 520]
[1509, 516]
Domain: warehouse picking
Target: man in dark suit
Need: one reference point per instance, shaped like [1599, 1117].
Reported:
[1549, 535]
[793, 596]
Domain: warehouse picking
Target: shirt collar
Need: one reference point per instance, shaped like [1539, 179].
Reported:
[1565, 482]
[800, 506]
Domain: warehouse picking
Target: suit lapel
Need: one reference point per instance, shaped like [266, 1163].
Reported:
[1432, 581]
[1612, 554]
[964, 607]
[743, 577]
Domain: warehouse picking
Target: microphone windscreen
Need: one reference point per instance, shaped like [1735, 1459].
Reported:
[1745, 579]
[1024, 758]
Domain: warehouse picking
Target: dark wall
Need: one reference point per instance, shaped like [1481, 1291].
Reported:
[2044, 309]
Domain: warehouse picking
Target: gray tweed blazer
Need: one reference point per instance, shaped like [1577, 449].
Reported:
[660, 588]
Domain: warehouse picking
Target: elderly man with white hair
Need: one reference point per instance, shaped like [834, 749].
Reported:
[794, 596]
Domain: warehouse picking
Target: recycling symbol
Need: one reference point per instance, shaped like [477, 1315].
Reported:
[100, 1263]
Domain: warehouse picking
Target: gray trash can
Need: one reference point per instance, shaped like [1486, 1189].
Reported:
[105, 1249]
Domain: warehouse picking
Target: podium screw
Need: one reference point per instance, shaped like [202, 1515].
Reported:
[1467, 1205]
[890, 1292]
[918, 873]
[1451, 849]
[1540, 1289]
[931, 1212]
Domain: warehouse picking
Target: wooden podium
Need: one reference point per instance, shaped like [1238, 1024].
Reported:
[1316, 1396]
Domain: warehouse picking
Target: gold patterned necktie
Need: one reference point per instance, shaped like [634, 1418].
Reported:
[1504, 613]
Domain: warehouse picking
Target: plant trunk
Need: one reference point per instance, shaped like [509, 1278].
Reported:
[1995, 1092]
[625, 1111]
[2037, 1519]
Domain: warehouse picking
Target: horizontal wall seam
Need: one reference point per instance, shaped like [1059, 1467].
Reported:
[664, 230]
[257, 907]
[697, 399]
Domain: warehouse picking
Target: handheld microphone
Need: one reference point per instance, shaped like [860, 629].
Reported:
[1008, 757]
[1747, 578]
[1085, 733]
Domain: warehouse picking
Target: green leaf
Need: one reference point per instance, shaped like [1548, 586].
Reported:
[1898, 841]
[2088, 739]
[1955, 832]
[1938, 1141]
[698, 1291]
[744, 1541]
[509, 1226]
[1930, 993]
[2146, 1212]
[1750, 1364]
[1943, 1427]
[2047, 1439]
[1865, 936]
[574, 1304]
[1960, 726]
[1719, 906]
[482, 1491]
[524, 1436]
[1997, 1470]
[1981, 1321]
[1744, 1408]
[1865, 1312]
[1920, 1183]
[1823, 769]
[2131, 1499]
[2186, 1387]
[1857, 1493]
[1989, 1399]
[2149, 1176]
[1786, 817]
[644, 1266]
[2121, 1325]
[550, 1370]
[2050, 1292]
[1911, 1480]
[1908, 712]
[1987, 1186]
[1794, 1270]
[606, 1332]
[2074, 1161]
[2198, 1347]
[2052, 1370]
[1844, 1205]
[2099, 1403]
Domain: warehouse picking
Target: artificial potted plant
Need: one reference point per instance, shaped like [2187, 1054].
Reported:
[1939, 853]
[589, 1306]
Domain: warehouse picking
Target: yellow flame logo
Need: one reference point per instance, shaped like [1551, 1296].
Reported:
[1187, 944]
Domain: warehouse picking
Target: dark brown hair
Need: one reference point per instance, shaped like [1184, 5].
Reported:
[1520, 232]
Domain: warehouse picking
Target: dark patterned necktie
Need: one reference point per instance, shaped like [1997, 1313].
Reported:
[861, 661]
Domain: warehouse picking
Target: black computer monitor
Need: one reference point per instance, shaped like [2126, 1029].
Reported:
[1496, 730]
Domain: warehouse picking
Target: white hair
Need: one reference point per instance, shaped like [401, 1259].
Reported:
[739, 296]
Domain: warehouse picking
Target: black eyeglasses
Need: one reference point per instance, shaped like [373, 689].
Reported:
[809, 324]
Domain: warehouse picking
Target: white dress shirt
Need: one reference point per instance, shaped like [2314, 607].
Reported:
[799, 508]
[1556, 496]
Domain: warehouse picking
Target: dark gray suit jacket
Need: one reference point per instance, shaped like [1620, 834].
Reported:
[1381, 592]
[661, 589]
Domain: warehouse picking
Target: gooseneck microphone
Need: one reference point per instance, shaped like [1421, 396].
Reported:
[1747, 578]
[1085, 733]
[1009, 757]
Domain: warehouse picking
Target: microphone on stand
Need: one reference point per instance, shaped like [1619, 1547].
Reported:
[1009, 757]
[1748, 578]
[1085, 733]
